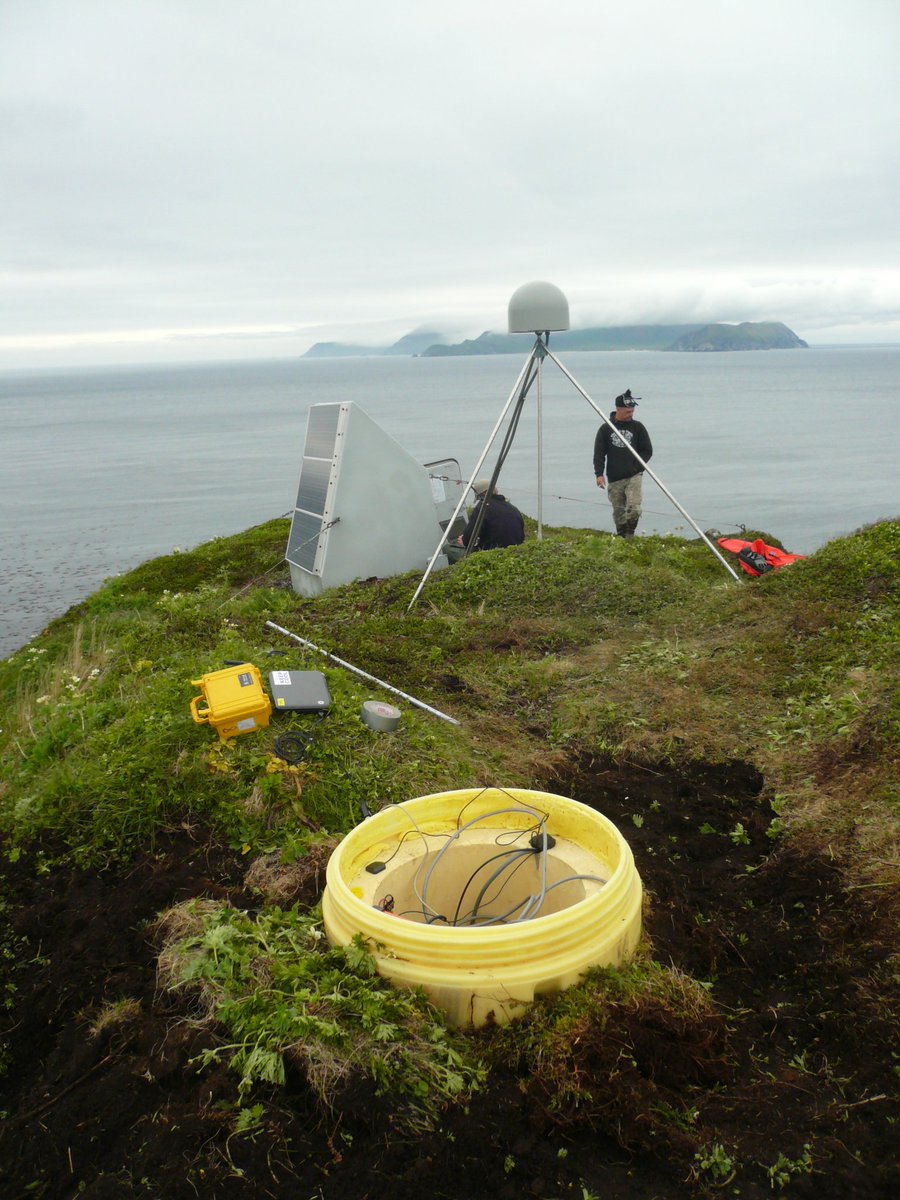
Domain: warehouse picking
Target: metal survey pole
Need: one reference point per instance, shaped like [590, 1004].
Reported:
[363, 674]
[540, 443]
[512, 396]
[728, 567]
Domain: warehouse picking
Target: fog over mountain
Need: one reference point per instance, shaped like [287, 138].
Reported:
[224, 180]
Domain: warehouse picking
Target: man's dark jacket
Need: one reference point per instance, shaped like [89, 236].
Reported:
[502, 525]
[611, 450]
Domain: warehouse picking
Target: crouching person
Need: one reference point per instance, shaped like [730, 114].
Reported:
[494, 522]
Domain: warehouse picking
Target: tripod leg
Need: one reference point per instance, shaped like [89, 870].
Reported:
[571, 378]
[519, 391]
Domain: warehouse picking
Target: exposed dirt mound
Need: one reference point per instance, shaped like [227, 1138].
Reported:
[792, 962]
[101, 1098]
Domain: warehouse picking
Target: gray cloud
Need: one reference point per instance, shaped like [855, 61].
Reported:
[263, 176]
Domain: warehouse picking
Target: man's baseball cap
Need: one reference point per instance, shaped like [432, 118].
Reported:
[480, 486]
[626, 400]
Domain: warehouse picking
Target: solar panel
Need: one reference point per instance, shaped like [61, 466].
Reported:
[364, 507]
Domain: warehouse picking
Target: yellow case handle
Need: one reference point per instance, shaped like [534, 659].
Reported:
[200, 718]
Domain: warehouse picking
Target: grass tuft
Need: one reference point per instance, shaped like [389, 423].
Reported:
[285, 998]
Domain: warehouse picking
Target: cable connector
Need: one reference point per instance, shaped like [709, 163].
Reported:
[537, 842]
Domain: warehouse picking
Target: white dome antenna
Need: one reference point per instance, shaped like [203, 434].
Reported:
[538, 307]
[541, 308]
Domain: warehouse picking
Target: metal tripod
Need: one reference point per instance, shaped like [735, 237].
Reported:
[530, 372]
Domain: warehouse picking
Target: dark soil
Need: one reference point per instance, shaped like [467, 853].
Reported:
[803, 1057]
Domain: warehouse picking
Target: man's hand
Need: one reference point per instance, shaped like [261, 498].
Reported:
[601, 481]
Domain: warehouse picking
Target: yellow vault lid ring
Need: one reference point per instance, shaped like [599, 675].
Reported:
[485, 897]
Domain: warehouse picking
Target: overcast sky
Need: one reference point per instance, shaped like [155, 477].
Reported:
[203, 179]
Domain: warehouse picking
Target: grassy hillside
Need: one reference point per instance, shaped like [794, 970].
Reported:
[636, 675]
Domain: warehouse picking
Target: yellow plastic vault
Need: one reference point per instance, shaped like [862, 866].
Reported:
[591, 915]
[235, 701]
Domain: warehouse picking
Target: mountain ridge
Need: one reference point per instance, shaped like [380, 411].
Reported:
[678, 338]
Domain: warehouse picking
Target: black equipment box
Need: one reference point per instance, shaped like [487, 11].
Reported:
[299, 691]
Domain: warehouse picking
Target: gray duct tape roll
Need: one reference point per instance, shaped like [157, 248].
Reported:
[383, 717]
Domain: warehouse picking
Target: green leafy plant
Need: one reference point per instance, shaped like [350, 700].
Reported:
[715, 1162]
[784, 1169]
[249, 1120]
[739, 835]
[282, 994]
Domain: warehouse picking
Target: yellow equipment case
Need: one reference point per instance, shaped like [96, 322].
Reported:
[235, 701]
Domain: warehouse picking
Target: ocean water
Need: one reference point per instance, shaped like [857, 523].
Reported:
[103, 469]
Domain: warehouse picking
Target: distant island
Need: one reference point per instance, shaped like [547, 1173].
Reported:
[411, 344]
[749, 335]
[695, 339]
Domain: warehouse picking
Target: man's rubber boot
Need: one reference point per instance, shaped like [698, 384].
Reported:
[629, 527]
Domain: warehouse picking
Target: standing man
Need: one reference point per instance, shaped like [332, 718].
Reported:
[614, 463]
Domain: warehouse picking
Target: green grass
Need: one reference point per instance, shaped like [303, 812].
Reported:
[285, 998]
[577, 641]
[580, 643]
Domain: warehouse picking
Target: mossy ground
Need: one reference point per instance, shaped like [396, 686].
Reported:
[742, 736]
